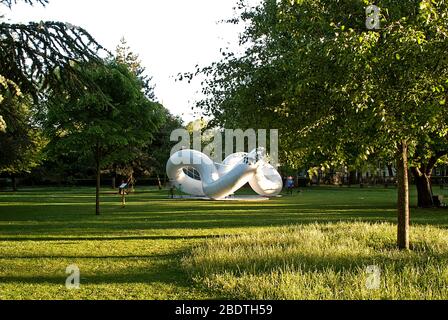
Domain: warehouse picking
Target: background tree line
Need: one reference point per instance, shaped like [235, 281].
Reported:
[68, 105]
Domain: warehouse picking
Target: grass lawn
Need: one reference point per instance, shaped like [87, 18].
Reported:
[312, 245]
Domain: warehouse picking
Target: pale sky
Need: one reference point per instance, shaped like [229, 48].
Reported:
[169, 36]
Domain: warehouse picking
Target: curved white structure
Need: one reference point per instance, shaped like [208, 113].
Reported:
[195, 173]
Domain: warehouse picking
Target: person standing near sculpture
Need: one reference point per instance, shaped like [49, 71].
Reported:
[122, 190]
[290, 184]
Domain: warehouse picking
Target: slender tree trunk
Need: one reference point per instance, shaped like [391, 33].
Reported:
[352, 178]
[390, 170]
[360, 179]
[14, 182]
[159, 182]
[132, 182]
[98, 181]
[424, 188]
[403, 196]
[114, 178]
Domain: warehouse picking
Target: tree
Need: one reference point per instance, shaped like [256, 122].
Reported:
[125, 56]
[22, 141]
[160, 148]
[31, 53]
[30, 56]
[338, 92]
[7, 89]
[151, 158]
[143, 160]
[102, 129]
[430, 151]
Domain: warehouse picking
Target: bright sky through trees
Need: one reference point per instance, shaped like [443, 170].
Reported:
[170, 36]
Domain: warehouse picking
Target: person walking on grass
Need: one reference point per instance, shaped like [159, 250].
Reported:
[122, 190]
[290, 184]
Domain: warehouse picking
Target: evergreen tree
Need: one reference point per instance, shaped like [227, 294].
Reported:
[31, 54]
[126, 56]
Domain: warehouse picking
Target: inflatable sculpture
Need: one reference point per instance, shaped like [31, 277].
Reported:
[196, 174]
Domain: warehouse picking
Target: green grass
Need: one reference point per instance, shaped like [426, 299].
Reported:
[158, 248]
[324, 261]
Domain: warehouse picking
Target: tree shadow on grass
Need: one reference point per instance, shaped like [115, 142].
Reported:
[74, 214]
[105, 238]
[165, 269]
[113, 225]
[321, 263]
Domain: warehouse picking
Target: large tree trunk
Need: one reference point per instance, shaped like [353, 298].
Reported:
[422, 175]
[424, 188]
[98, 181]
[403, 196]
[352, 177]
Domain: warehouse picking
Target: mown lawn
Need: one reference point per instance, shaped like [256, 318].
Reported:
[313, 245]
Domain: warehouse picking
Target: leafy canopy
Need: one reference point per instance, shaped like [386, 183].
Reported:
[102, 127]
[337, 91]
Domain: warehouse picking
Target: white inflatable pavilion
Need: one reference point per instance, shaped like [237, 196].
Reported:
[196, 174]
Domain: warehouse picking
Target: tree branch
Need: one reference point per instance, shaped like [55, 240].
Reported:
[10, 3]
[416, 172]
[433, 160]
[32, 54]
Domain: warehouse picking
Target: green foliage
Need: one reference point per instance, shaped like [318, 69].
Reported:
[31, 57]
[21, 141]
[8, 89]
[338, 92]
[125, 56]
[30, 54]
[105, 127]
[151, 158]
[160, 149]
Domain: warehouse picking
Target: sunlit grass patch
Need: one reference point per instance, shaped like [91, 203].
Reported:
[324, 261]
[135, 252]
